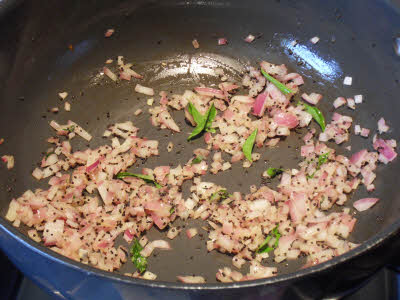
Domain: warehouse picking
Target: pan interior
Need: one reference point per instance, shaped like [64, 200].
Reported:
[157, 39]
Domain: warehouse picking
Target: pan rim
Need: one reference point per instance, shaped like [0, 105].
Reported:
[369, 244]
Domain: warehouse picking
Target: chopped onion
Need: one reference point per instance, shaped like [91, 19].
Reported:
[358, 99]
[222, 41]
[110, 74]
[149, 275]
[34, 235]
[387, 153]
[364, 132]
[37, 173]
[160, 244]
[67, 106]
[76, 224]
[63, 95]
[351, 103]
[150, 101]
[144, 90]
[339, 102]
[173, 232]
[365, 203]
[109, 33]
[195, 44]
[313, 98]
[80, 131]
[250, 38]
[191, 232]
[314, 40]
[9, 159]
[259, 105]
[348, 80]
[382, 127]
[210, 92]
[191, 279]
[170, 146]
[357, 129]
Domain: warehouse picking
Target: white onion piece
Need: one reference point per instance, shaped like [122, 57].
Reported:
[364, 132]
[357, 129]
[358, 99]
[143, 241]
[67, 106]
[37, 173]
[314, 40]
[55, 125]
[170, 146]
[63, 95]
[129, 72]
[34, 235]
[173, 232]
[351, 103]
[149, 275]
[348, 80]
[110, 74]
[50, 160]
[144, 90]
[120, 61]
[191, 279]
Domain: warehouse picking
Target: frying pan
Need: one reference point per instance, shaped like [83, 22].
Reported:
[36, 63]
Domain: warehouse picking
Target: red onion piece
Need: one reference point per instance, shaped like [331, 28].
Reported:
[339, 101]
[92, 166]
[365, 203]
[204, 91]
[259, 105]
[382, 127]
[313, 98]
[385, 150]
[286, 119]
[222, 41]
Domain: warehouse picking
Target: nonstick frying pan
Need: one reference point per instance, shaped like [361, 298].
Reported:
[36, 63]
